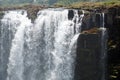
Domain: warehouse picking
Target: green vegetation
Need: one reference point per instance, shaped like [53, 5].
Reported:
[72, 3]
[90, 5]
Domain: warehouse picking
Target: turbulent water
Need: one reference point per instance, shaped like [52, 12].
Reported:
[43, 50]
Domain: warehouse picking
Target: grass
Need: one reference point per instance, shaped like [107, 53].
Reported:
[83, 5]
[91, 5]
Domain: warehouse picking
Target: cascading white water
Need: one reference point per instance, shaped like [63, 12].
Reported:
[103, 21]
[53, 33]
[45, 49]
[103, 50]
[78, 20]
[18, 21]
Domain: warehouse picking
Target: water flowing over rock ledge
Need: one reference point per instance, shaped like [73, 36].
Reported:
[33, 9]
[93, 18]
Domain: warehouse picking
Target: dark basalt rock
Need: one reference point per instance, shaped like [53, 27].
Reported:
[70, 14]
[112, 23]
[91, 56]
[32, 11]
[1, 15]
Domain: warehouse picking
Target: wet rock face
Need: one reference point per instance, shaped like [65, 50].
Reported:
[94, 18]
[90, 61]
[1, 15]
[32, 11]
[91, 20]
[88, 21]
[112, 23]
[70, 14]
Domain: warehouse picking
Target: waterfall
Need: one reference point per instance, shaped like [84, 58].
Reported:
[17, 21]
[34, 1]
[102, 21]
[103, 16]
[43, 50]
[103, 46]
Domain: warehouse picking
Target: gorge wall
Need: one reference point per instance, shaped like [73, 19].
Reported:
[112, 23]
